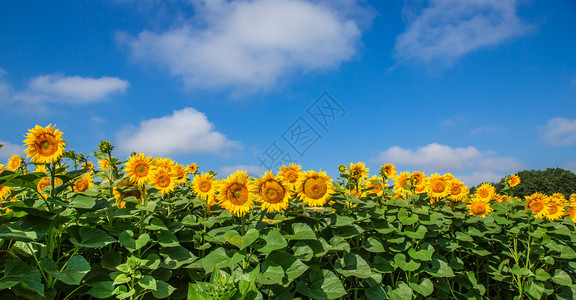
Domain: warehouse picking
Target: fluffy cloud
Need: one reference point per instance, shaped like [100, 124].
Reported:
[8, 149]
[70, 89]
[448, 29]
[250, 44]
[559, 132]
[185, 131]
[467, 163]
[254, 171]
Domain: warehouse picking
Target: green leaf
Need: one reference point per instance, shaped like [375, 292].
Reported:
[110, 260]
[92, 238]
[273, 240]
[402, 263]
[425, 287]
[419, 234]
[302, 231]
[439, 267]
[566, 293]
[76, 268]
[405, 218]
[535, 289]
[292, 266]
[463, 237]
[196, 292]
[167, 239]
[349, 231]
[339, 221]
[163, 290]
[219, 259]
[303, 251]
[157, 224]
[176, 257]
[242, 242]
[147, 282]
[82, 201]
[271, 273]
[27, 229]
[424, 254]
[541, 275]
[338, 243]
[321, 284]
[353, 265]
[126, 238]
[101, 290]
[401, 292]
[17, 272]
[382, 265]
[372, 244]
[562, 278]
[121, 278]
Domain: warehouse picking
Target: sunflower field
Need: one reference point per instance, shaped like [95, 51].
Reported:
[150, 228]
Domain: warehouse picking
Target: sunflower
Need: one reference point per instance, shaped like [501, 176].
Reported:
[485, 191]
[4, 191]
[556, 207]
[571, 211]
[235, 194]
[358, 171]
[438, 187]
[41, 168]
[192, 168]
[44, 182]
[315, 188]
[419, 180]
[163, 163]
[402, 183]
[104, 164]
[181, 174]
[139, 169]
[272, 192]
[388, 171]
[83, 183]
[88, 165]
[374, 185]
[513, 180]
[126, 189]
[14, 162]
[45, 145]
[458, 191]
[538, 203]
[479, 207]
[164, 180]
[204, 186]
[2, 168]
[289, 175]
[501, 198]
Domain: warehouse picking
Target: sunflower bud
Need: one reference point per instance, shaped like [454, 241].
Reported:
[105, 146]
[342, 168]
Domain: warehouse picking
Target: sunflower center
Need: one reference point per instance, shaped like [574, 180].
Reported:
[553, 209]
[141, 170]
[536, 206]
[291, 176]
[237, 194]
[205, 186]
[163, 180]
[272, 192]
[315, 188]
[438, 186]
[47, 146]
[455, 190]
[81, 185]
[478, 208]
[483, 193]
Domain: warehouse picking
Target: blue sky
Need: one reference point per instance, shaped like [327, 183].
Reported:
[481, 89]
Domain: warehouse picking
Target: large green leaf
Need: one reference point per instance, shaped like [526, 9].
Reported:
[163, 290]
[176, 257]
[301, 231]
[424, 254]
[219, 259]
[405, 218]
[167, 239]
[73, 272]
[17, 272]
[562, 278]
[401, 292]
[439, 267]
[91, 238]
[353, 265]
[25, 229]
[102, 290]
[403, 263]
[418, 234]
[273, 240]
[292, 266]
[126, 238]
[321, 284]
[425, 287]
[272, 273]
[374, 245]
[234, 238]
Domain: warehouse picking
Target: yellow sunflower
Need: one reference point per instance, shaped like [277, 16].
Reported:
[358, 171]
[571, 211]
[513, 180]
[4, 191]
[41, 169]
[556, 208]
[485, 191]
[2, 168]
[204, 186]
[374, 185]
[289, 175]
[164, 181]
[139, 169]
[44, 182]
[272, 192]
[88, 165]
[402, 183]
[315, 188]
[45, 145]
[14, 162]
[538, 203]
[235, 194]
[419, 180]
[127, 189]
[458, 191]
[388, 171]
[104, 164]
[479, 207]
[83, 183]
[192, 168]
[181, 174]
[163, 163]
[438, 187]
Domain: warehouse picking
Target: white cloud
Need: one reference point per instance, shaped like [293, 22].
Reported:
[254, 171]
[250, 44]
[8, 149]
[185, 131]
[469, 163]
[449, 29]
[70, 89]
[559, 132]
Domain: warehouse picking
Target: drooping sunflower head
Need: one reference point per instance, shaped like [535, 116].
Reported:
[358, 171]
[83, 183]
[438, 187]
[104, 164]
[388, 171]
[139, 169]
[458, 191]
[126, 189]
[192, 168]
[513, 180]
[315, 188]
[290, 175]
[479, 207]
[235, 194]
[14, 162]
[272, 192]
[485, 191]
[538, 203]
[204, 186]
[45, 144]
[402, 184]
[373, 185]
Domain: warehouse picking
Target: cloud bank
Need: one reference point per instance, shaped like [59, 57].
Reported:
[559, 132]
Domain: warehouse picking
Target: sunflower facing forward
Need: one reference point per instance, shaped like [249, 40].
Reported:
[164, 181]
[315, 188]
[289, 175]
[235, 194]
[83, 183]
[204, 186]
[272, 193]
[479, 207]
[139, 169]
[45, 144]
[14, 163]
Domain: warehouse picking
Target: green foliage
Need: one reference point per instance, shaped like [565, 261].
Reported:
[549, 181]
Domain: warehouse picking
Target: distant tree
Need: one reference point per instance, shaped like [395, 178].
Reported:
[549, 181]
